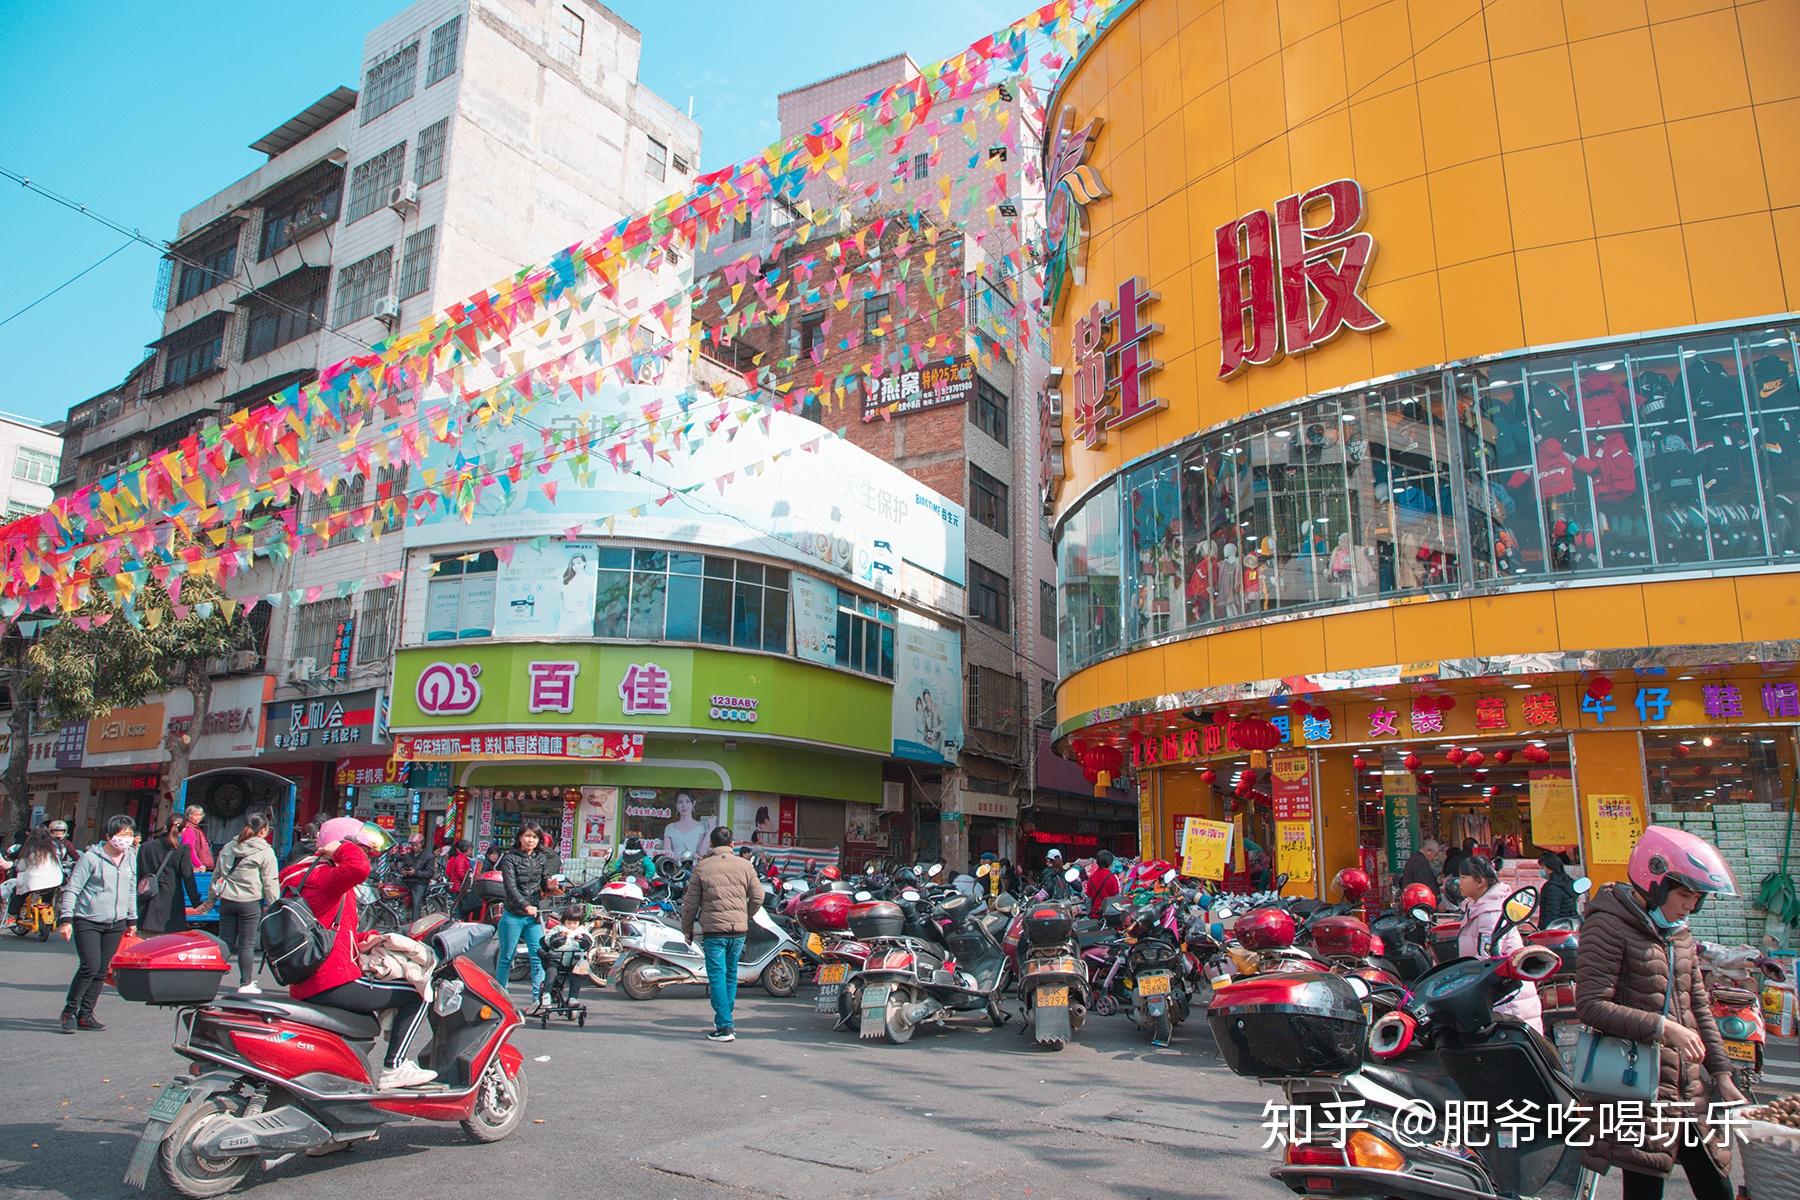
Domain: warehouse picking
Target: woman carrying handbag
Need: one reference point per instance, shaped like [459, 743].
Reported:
[1650, 1034]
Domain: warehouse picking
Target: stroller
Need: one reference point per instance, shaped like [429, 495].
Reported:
[565, 950]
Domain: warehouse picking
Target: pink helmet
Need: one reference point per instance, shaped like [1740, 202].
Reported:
[343, 829]
[1665, 858]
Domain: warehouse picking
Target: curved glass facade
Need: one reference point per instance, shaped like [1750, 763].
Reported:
[1658, 455]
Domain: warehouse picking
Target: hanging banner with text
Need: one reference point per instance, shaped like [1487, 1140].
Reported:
[1614, 825]
[1553, 810]
[1205, 848]
[1400, 790]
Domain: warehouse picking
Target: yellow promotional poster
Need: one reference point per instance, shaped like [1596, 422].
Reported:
[1205, 848]
[1238, 863]
[1146, 822]
[1615, 826]
[1553, 810]
[1294, 850]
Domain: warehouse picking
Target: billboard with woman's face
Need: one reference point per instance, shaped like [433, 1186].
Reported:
[674, 821]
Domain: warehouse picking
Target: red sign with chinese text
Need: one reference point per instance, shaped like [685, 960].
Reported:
[599, 746]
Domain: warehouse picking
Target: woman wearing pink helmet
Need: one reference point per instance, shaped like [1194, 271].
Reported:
[327, 880]
[1638, 977]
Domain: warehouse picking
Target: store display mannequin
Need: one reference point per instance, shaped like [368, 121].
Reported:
[1670, 473]
[1256, 595]
[1777, 403]
[1202, 582]
[1231, 581]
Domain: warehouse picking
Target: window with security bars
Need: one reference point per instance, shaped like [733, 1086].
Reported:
[987, 500]
[316, 631]
[390, 495]
[375, 633]
[656, 160]
[1047, 609]
[1046, 703]
[875, 314]
[34, 466]
[371, 181]
[921, 166]
[310, 208]
[990, 597]
[989, 410]
[389, 82]
[415, 264]
[993, 700]
[441, 62]
[195, 352]
[361, 285]
[278, 316]
[207, 267]
[345, 497]
[428, 163]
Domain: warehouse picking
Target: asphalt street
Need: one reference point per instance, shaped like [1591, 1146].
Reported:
[638, 1104]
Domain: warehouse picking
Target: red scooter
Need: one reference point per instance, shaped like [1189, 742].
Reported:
[272, 1077]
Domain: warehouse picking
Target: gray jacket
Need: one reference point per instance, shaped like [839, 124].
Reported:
[245, 872]
[100, 890]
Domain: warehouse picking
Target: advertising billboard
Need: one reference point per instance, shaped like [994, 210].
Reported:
[928, 691]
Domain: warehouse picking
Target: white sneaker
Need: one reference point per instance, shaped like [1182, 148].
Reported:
[406, 1075]
[249, 989]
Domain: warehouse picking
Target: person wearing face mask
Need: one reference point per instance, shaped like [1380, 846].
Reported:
[95, 911]
[1638, 977]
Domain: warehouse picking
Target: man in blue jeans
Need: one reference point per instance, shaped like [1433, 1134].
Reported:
[723, 894]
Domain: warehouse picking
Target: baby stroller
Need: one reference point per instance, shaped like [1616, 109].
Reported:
[565, 953]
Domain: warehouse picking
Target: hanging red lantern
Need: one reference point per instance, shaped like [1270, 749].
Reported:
[1455, 755]
[1536, 754]
[1681, 751]
[1358, 762]
[1503, 756]
[1446, 703]
[1425, 776]
[1411, 761]
[1208, 775]
[1599, 687]
[1474, 758]
[1301, 709]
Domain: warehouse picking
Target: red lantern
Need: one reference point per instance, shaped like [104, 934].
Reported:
[1682, 751]
[1254, 733]
[1358, 762]
[1426, 775]
[1474, 758]
[1410, 762]
[1208, 775]
[1455, 755]
[1536, 754]
[1599, 687]
[1503, 756]
[1446, 703]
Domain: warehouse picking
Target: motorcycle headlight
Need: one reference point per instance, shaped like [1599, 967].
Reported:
[1735, 1028]
[449, 998]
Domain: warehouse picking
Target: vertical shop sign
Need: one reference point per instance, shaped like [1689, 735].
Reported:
[566, 837]
[1113, 365]
[487, 814]
[1291, 798]
[1614, 825]
[1553, 810]
[1146, 823]
[1400, 791]
[1285, 285]
[596, 816]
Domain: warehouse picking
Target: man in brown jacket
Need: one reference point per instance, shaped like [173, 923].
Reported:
[723, 893]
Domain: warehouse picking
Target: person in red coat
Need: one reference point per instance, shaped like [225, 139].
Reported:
[327, 880]
[1102, 884]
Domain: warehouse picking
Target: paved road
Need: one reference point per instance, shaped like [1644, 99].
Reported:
[639, 1105]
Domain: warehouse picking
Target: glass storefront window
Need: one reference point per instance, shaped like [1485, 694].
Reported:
[1665, 454]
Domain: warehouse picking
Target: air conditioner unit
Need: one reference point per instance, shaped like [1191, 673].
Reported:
[245, 660]
[403, 198]
[304, 225]
[387, 310]
[893, 795]
[302, 670]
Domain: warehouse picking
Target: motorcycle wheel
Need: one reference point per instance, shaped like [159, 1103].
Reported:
[499, 1104]
[434, 904]
[382, 919]
[519, 968]
[781, 978]
[1105, 1005]
[186, 1172]
[43, 934]
[635, 981]
[995, 1014]
[899, 1030]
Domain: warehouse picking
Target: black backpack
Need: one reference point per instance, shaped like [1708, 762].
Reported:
[294, 942]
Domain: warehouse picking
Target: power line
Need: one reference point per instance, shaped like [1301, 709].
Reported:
[129, 242]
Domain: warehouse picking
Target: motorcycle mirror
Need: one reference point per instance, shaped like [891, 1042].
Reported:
[1281, 881]
[1360, 986]
[794, 885]
[863, 897]
[1170, 875]
[936, 870]
[1223, 913]
[1072, 874]
[910, 896]
[1583, 886]
[1517, 910]
[1421, 914]
[869, 870]
[981, 872]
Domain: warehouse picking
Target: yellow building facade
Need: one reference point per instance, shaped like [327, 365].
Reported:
[1426, 391]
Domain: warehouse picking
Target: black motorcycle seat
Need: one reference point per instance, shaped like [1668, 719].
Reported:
[358, 1027]
[1409, 1084]
[1085, 938]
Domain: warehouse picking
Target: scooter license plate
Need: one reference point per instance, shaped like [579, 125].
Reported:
[1153, 985]
[1053, 997]
[876, 994]
[1741, 1051]
[815, 944]
[827, 999]
[168, 1105]
[833, 973]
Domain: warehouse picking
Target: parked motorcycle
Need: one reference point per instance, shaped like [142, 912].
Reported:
[948, 963]
[1053, 982]
[273, 1077]
[655, 955]
[1734, 979]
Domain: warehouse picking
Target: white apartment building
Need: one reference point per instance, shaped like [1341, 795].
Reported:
[30, 455]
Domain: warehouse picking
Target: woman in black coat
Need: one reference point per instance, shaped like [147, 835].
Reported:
[165, 871]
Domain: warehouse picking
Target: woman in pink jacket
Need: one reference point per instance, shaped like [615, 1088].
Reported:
[1484, 903]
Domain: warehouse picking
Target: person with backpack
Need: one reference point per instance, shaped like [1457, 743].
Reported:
[313, 950]
[165, 875]
[246, 879]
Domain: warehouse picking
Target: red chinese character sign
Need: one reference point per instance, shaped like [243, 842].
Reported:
[1287, 286]
[1112, 364]
[1073, 186]
[644, 690]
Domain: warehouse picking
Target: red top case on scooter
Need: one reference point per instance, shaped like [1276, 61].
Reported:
[174, 968]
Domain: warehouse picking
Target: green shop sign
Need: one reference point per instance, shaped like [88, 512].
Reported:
[587, 685]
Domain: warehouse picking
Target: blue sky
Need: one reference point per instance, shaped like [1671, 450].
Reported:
[141, 110]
